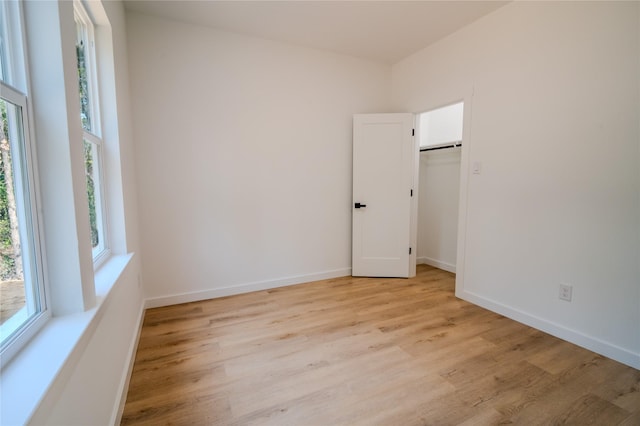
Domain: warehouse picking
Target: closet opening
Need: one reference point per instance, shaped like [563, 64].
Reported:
[440, 135]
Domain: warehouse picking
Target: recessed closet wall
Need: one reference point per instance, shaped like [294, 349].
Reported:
[440, 137]
[439, 189]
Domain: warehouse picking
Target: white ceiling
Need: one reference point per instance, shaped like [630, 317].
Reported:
[384, 31]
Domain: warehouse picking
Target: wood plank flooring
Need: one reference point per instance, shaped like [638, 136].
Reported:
[365, 351]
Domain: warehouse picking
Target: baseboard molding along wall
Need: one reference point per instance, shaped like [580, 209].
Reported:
[601, 347]
[445, 266]
[155, 302]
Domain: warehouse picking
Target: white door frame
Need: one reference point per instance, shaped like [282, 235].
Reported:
[465, 175]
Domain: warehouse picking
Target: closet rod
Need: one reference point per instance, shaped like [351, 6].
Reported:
[455, 145]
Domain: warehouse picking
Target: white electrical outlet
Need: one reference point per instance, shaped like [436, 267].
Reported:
[565, 292]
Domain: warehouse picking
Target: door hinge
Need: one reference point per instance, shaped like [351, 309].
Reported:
[409, 250]
[413, 132]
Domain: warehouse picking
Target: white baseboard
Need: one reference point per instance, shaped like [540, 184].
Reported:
[174, 299]
[116, 416]
[601, 347]
[449, 267]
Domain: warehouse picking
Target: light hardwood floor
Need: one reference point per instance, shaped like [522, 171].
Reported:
[364, 351]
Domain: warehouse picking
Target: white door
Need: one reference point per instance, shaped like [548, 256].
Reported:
[384, 153]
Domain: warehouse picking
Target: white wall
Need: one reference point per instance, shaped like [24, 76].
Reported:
[243, 154]
[442, 125]
[554, 124]
[244, 161]
[439, 190]
[89, 387]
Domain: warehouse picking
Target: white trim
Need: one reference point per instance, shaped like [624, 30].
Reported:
[103, 248]
[95, 134]
[123, 388]
[100, 258]
[594, 344]
[449, 267]
[415, 188]
[82, 16]
[33, 376]
[14, 46]
[27, 204]
[33, 170]
[194, 296]
[463, 196]
[90, 137]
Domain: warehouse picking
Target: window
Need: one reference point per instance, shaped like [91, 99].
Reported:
[22, 301]
[90, 121]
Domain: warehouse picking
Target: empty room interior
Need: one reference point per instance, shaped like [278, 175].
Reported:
[201, 221]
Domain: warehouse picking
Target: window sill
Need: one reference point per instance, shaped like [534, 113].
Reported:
[101, 258]
[50, 354]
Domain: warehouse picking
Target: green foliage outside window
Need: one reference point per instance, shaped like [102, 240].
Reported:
[10, 256]
[85, 117]
[91, 193]
[83, 86]
[7, 264]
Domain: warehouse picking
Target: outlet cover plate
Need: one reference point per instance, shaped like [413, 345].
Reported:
[565, 292]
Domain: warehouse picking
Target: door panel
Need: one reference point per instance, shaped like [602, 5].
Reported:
[383, 162]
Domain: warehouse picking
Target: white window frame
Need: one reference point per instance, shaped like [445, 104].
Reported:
[11, 16]
[94, 136]
[22, 326]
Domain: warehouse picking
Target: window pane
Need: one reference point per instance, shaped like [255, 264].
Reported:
[4, 60]
[83, 82]
[19, 299]
[90, 118]
[12, 66]
[89, 167]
